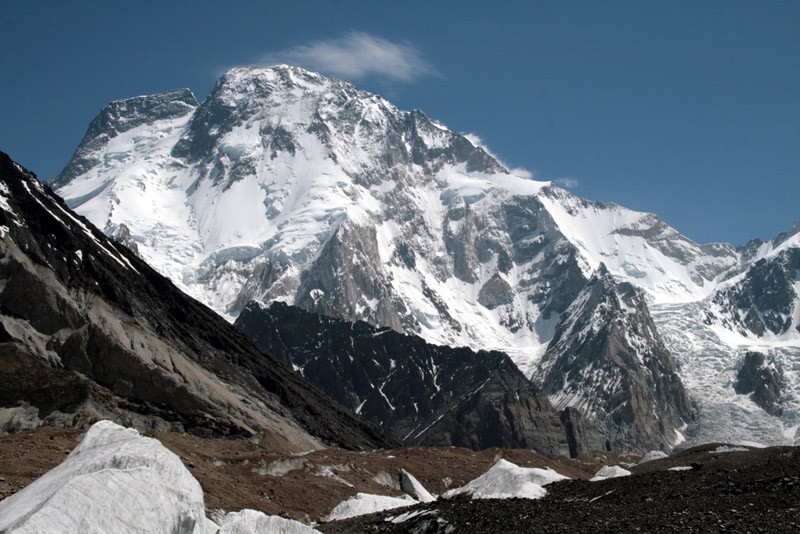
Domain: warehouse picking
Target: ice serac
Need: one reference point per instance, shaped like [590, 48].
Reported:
[422, 393]
[506, 480]
[608, 361]
[89, 331]
[114, 481]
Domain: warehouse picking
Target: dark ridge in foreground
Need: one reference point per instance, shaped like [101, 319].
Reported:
[738, 491]
[89, 331]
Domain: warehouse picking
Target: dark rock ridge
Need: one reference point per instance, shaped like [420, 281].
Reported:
[424, 394]
[608, 361]
[764, 380]
[89, 331]
[765, 299]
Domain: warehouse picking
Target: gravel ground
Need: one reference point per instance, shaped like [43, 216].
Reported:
[238, 473]
[720, 489]
[753, 491]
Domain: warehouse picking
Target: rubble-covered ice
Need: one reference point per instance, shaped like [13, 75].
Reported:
[610, 471]
[114, 481]
[506, 480]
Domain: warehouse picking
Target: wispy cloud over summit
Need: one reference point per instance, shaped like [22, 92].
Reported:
[358, 56]
[567, 183]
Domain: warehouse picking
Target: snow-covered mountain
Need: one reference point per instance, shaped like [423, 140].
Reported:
[286, 185]
[282, 180]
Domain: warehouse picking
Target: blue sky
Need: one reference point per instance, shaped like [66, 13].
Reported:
[690, 110]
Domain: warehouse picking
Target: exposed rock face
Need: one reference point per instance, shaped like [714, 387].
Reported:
[765, 300]
[582, 435]
[764, 380]
[422, 393]
[122, 235]
[608, 361]
[90, 331]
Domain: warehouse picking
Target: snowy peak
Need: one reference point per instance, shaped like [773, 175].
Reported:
[257, 112]
[120, 116]
[287, 185]
[780, 243]
[639, 247]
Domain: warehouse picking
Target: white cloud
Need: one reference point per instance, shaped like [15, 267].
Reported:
[357, 56]
[567, 183]
[477, 141]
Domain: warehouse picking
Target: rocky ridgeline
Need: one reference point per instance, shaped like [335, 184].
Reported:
[608, 361]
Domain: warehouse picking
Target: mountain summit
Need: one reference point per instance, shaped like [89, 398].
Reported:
[285, 185]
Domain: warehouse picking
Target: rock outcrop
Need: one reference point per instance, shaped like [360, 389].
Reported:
[608, 361]
[765, 300]
[763, 380]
